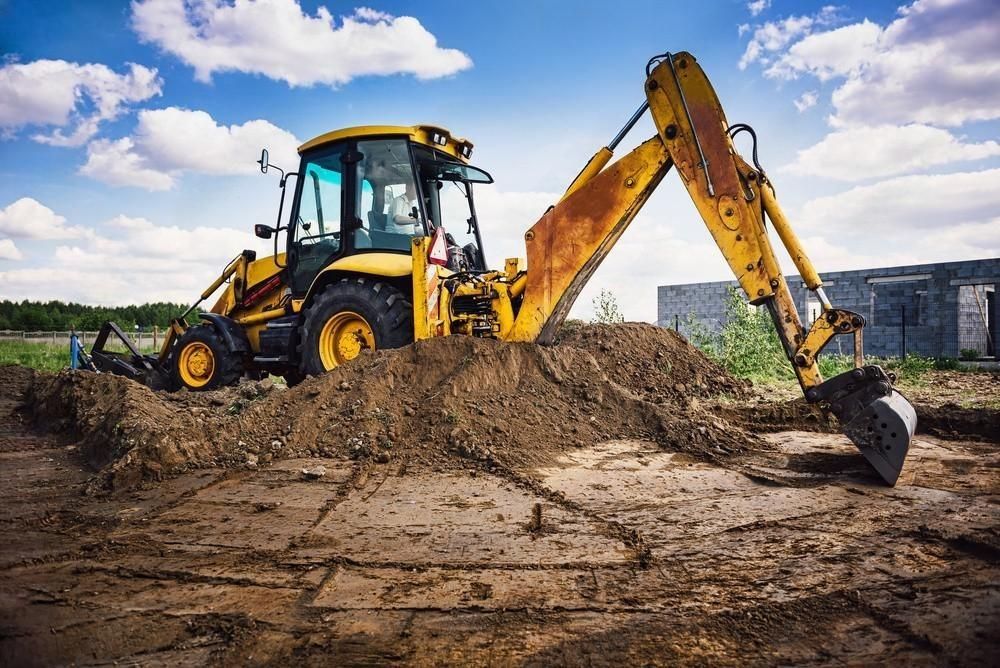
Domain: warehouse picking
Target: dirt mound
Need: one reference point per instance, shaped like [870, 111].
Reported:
[654, 363]
[131, 432]
[455, 402]
[15, 379]
[502, 404]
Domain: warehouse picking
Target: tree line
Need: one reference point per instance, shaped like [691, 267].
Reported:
[60, 316]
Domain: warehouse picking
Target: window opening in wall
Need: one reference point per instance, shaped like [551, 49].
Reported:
[976, 329]
[921, 307]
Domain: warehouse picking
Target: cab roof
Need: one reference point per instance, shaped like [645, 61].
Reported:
[432, 136]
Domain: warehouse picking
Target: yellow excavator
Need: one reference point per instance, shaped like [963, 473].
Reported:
[382, 247]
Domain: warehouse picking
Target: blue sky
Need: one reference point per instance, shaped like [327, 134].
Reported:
[128, 130]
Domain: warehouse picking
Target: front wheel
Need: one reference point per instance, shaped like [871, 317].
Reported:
[202, 361]
[349, 316]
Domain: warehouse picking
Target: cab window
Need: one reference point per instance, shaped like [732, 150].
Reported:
[388, 210]
[316, 231]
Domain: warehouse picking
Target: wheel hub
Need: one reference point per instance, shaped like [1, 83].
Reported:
[343, 337]
[196, 364]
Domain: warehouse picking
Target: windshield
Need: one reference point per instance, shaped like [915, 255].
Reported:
[447, 189]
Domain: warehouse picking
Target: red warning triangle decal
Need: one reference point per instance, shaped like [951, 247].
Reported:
[438, 253]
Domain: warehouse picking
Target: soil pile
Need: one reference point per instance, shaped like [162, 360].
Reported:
[454, 402]
[502, 404]
[655, 363]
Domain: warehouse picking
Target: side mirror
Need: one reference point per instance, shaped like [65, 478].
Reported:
[264, 164]
[263, 231]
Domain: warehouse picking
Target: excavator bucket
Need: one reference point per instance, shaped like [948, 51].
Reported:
[882, 432]
[877, 418]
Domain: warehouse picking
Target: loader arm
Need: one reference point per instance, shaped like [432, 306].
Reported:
[734, 198]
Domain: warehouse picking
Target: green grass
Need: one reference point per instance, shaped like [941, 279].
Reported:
[42, 356]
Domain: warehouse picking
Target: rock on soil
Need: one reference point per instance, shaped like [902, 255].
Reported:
[446, 403]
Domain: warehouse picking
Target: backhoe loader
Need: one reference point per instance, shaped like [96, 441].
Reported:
[382, 247]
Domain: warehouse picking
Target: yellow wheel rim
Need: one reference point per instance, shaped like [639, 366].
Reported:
[196, 364]
[343, 337]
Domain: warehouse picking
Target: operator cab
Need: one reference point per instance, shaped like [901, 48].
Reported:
[365, 190]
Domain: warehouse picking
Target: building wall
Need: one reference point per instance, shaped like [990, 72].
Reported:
[929, 296]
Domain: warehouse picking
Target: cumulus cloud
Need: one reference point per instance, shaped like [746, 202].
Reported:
[116, 163]
[277, 39]
[127, 260]
[27, 218]
[888, 150]
[74, 98]
[650, 253]
[9, 251]
[757, 6]
[168, 142]
[773, 36]
[838, 52]
[807, 100]
[938, 63]
[930, 212]
[904, 220]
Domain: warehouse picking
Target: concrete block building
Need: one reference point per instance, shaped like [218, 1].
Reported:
[935, 310]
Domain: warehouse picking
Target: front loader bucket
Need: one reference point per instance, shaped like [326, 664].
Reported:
[145, 369]
[882, 432]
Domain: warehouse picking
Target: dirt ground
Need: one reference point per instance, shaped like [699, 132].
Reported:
[567, 506]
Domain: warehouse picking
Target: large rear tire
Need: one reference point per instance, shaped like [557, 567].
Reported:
[349, 316]
[202, 362]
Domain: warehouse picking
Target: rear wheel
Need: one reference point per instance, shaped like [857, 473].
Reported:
[202, 362]
[349, 316]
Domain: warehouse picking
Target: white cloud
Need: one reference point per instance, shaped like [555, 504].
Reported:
[27, 218]
[8, 251]
[505, 217]
[938, 63]
[757, 6]
[129, 260]
[649, 253]
[806, 101]
[117, 164]
[773, 36]
[888, 150]
[277, 39]
[369, 14]
[825, 55]
[955, 208]
[69, 95]
[168, 142]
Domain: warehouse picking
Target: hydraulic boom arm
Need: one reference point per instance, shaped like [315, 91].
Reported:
[734, 198]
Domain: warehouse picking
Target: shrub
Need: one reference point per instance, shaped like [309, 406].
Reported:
[947, 364]
[748, 347]
[606, 309]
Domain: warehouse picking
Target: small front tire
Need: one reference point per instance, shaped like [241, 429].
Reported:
[202, 362]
